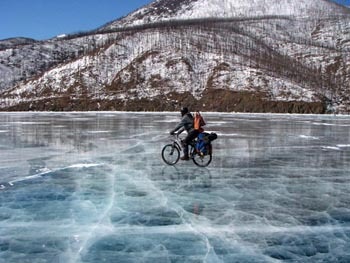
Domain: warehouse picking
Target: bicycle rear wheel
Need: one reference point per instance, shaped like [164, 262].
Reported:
[202, 160]
[170, 154]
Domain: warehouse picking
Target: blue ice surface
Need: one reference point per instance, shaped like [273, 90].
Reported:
[92, 187]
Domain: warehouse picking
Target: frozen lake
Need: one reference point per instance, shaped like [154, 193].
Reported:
[92, 187]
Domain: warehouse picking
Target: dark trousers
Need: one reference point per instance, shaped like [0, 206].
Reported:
[190, 137]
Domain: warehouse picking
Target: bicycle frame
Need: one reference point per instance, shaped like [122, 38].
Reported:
[177, 141]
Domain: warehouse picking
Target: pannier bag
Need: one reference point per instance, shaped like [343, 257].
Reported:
[212, 136]
[203, 145]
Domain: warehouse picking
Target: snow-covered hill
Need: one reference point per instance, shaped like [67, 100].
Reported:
[162, 10]
[259, 55]
[12, 42]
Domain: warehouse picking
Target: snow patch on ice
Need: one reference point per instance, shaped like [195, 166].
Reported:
[84, 165]
[321, 123]
[95, 132]
[308, 137]
[46, 171]
[343, 145]
[331, 148]
[43, 171]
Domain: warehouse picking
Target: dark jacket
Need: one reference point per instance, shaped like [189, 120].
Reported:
[186, 123]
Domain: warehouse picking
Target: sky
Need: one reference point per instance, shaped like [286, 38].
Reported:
[44, 19]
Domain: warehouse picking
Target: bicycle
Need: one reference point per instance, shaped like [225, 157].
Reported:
[171, 152]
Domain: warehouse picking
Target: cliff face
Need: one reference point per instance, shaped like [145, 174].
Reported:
[256, 56]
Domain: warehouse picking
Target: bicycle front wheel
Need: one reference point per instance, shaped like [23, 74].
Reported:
[202, 160]
[170, 154]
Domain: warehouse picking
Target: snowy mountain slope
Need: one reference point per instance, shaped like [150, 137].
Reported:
[24, 59]
[161, 10]
[267, 63]
[12, 42]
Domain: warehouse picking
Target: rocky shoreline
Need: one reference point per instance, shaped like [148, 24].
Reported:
[217, 101]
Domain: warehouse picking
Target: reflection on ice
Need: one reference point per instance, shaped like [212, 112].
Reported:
[91, 187]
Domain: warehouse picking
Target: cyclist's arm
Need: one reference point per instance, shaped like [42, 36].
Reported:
[180, 125]
[180, 130]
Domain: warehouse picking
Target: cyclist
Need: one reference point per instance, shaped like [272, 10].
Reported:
[186, 123]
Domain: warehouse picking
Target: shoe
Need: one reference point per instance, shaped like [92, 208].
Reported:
[185, 158]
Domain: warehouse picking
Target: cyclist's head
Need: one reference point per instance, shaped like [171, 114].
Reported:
[184, 110]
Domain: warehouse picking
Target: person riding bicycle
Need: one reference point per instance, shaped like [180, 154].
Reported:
[187, 124]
